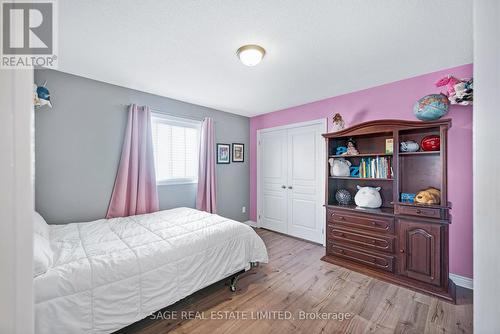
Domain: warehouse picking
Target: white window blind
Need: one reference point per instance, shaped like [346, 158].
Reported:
[175, 144]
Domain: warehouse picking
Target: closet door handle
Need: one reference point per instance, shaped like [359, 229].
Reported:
[283, 186]
[290, 187]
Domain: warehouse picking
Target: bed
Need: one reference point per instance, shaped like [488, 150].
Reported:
[109, 273]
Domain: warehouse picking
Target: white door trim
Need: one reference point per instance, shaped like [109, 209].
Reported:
[321, 121]
[16, 202]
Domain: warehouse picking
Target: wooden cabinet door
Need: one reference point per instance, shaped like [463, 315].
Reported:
[420, 251]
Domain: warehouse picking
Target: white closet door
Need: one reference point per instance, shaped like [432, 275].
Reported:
[273, 182]
[305, 182]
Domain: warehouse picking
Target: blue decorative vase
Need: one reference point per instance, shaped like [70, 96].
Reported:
[431, 107]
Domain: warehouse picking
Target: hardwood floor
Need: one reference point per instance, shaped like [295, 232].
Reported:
[296, 280]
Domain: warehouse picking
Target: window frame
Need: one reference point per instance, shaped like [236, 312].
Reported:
[159, 117]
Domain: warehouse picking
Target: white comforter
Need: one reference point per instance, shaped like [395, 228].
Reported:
[108, 274]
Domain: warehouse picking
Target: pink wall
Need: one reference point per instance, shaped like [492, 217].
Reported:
[395, 100]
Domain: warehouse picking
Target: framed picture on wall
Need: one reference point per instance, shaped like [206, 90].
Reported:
[223, 153]
[238, 152]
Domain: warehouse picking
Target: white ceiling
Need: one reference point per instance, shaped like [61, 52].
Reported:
[185, 49]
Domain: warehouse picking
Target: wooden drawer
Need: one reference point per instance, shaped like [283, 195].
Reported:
[378, 261]
[420, 211]
[378, 242]
[371, 223]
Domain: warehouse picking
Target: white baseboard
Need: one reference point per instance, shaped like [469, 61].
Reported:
[462, 281]
[251, 223]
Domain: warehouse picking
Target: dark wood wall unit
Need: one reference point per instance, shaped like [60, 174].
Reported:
[403, 243]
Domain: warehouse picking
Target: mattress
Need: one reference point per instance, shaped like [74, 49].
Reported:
[110, 273]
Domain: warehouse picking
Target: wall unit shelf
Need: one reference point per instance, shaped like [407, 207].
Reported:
[361, 155]
[354, 209]
[403, 243]
[420, 153]
[360, 178]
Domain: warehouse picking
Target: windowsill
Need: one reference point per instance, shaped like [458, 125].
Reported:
[175, 182]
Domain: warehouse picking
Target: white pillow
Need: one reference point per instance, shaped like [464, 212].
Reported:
[40, 226]
[42, 253]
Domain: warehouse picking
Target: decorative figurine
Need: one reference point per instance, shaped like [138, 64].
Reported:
[354, 171]
[428, 196]
[339, 167]
[338, 123]
[408, 146]
[343, 197]
[368, 197]
[351, 147]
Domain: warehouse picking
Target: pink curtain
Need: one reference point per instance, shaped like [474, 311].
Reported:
[135, 185]
[206, 198]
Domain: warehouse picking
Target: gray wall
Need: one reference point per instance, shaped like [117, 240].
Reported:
[78, 145]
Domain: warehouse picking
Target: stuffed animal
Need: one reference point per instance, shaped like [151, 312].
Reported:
[428, 196]
[463, 93]
[458, 91]
[450, 82]
[338, 123]
[41, 96]
[368, 197]
[409, 146]
[339, 167]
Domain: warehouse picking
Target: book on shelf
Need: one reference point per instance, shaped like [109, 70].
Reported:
[375, 168]
[389, 146]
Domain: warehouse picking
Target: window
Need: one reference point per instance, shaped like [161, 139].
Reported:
[175, 144]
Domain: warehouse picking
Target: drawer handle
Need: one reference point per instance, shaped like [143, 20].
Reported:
[401, 250]
[374, 242]
[374, 223]
[419, 211]
[432, 278]
[341, 218]
[341, 251]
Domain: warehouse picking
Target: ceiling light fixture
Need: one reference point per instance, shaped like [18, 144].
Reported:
[251, 55]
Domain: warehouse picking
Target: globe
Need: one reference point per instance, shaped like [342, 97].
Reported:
[431, 107]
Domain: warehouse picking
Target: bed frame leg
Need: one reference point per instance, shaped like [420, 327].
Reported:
[234, 279]
[232, 282]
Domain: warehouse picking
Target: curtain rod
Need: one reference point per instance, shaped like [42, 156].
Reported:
[173, 115]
